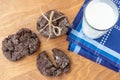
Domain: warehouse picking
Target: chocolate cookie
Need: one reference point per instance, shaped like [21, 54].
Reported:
[23, 43]
[53, 24]
[46, 67]
[61, 59]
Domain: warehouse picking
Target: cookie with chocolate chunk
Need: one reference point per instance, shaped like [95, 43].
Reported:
[61, 59]
[46, 67]
[52, 24]
[23, 43]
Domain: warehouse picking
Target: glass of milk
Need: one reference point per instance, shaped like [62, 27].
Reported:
[99, 16]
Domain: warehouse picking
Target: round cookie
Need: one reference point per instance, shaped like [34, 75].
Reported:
[46, 67]
[48, 31]
[23, 43]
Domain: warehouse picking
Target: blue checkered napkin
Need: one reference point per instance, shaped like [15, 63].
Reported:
[85, 53]
[105, 48]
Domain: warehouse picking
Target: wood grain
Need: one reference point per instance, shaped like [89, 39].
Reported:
[16, 14]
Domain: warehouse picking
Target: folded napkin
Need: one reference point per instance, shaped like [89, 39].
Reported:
[104, 50]
[99, 60]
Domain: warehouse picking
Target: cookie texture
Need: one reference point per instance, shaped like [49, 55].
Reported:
[23, 43]
[61, 59]
[58, 20]
[46, 67]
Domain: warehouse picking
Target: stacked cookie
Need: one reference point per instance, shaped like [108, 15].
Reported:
[52, 24]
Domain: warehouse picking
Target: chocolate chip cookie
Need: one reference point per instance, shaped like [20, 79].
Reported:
[46, 67]
[23, 43]
[61, 59]
[52, 24]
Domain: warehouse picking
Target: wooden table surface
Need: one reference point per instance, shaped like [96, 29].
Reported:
[16, 14]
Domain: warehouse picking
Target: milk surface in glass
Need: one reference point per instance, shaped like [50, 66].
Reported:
[99, 16]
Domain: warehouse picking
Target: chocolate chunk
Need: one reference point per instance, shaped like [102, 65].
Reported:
[23, 43]
[46, 67]
[58, 20]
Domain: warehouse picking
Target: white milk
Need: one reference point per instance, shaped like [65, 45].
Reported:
[99, 16]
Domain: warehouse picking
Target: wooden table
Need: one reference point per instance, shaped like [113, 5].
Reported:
[16, 14]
